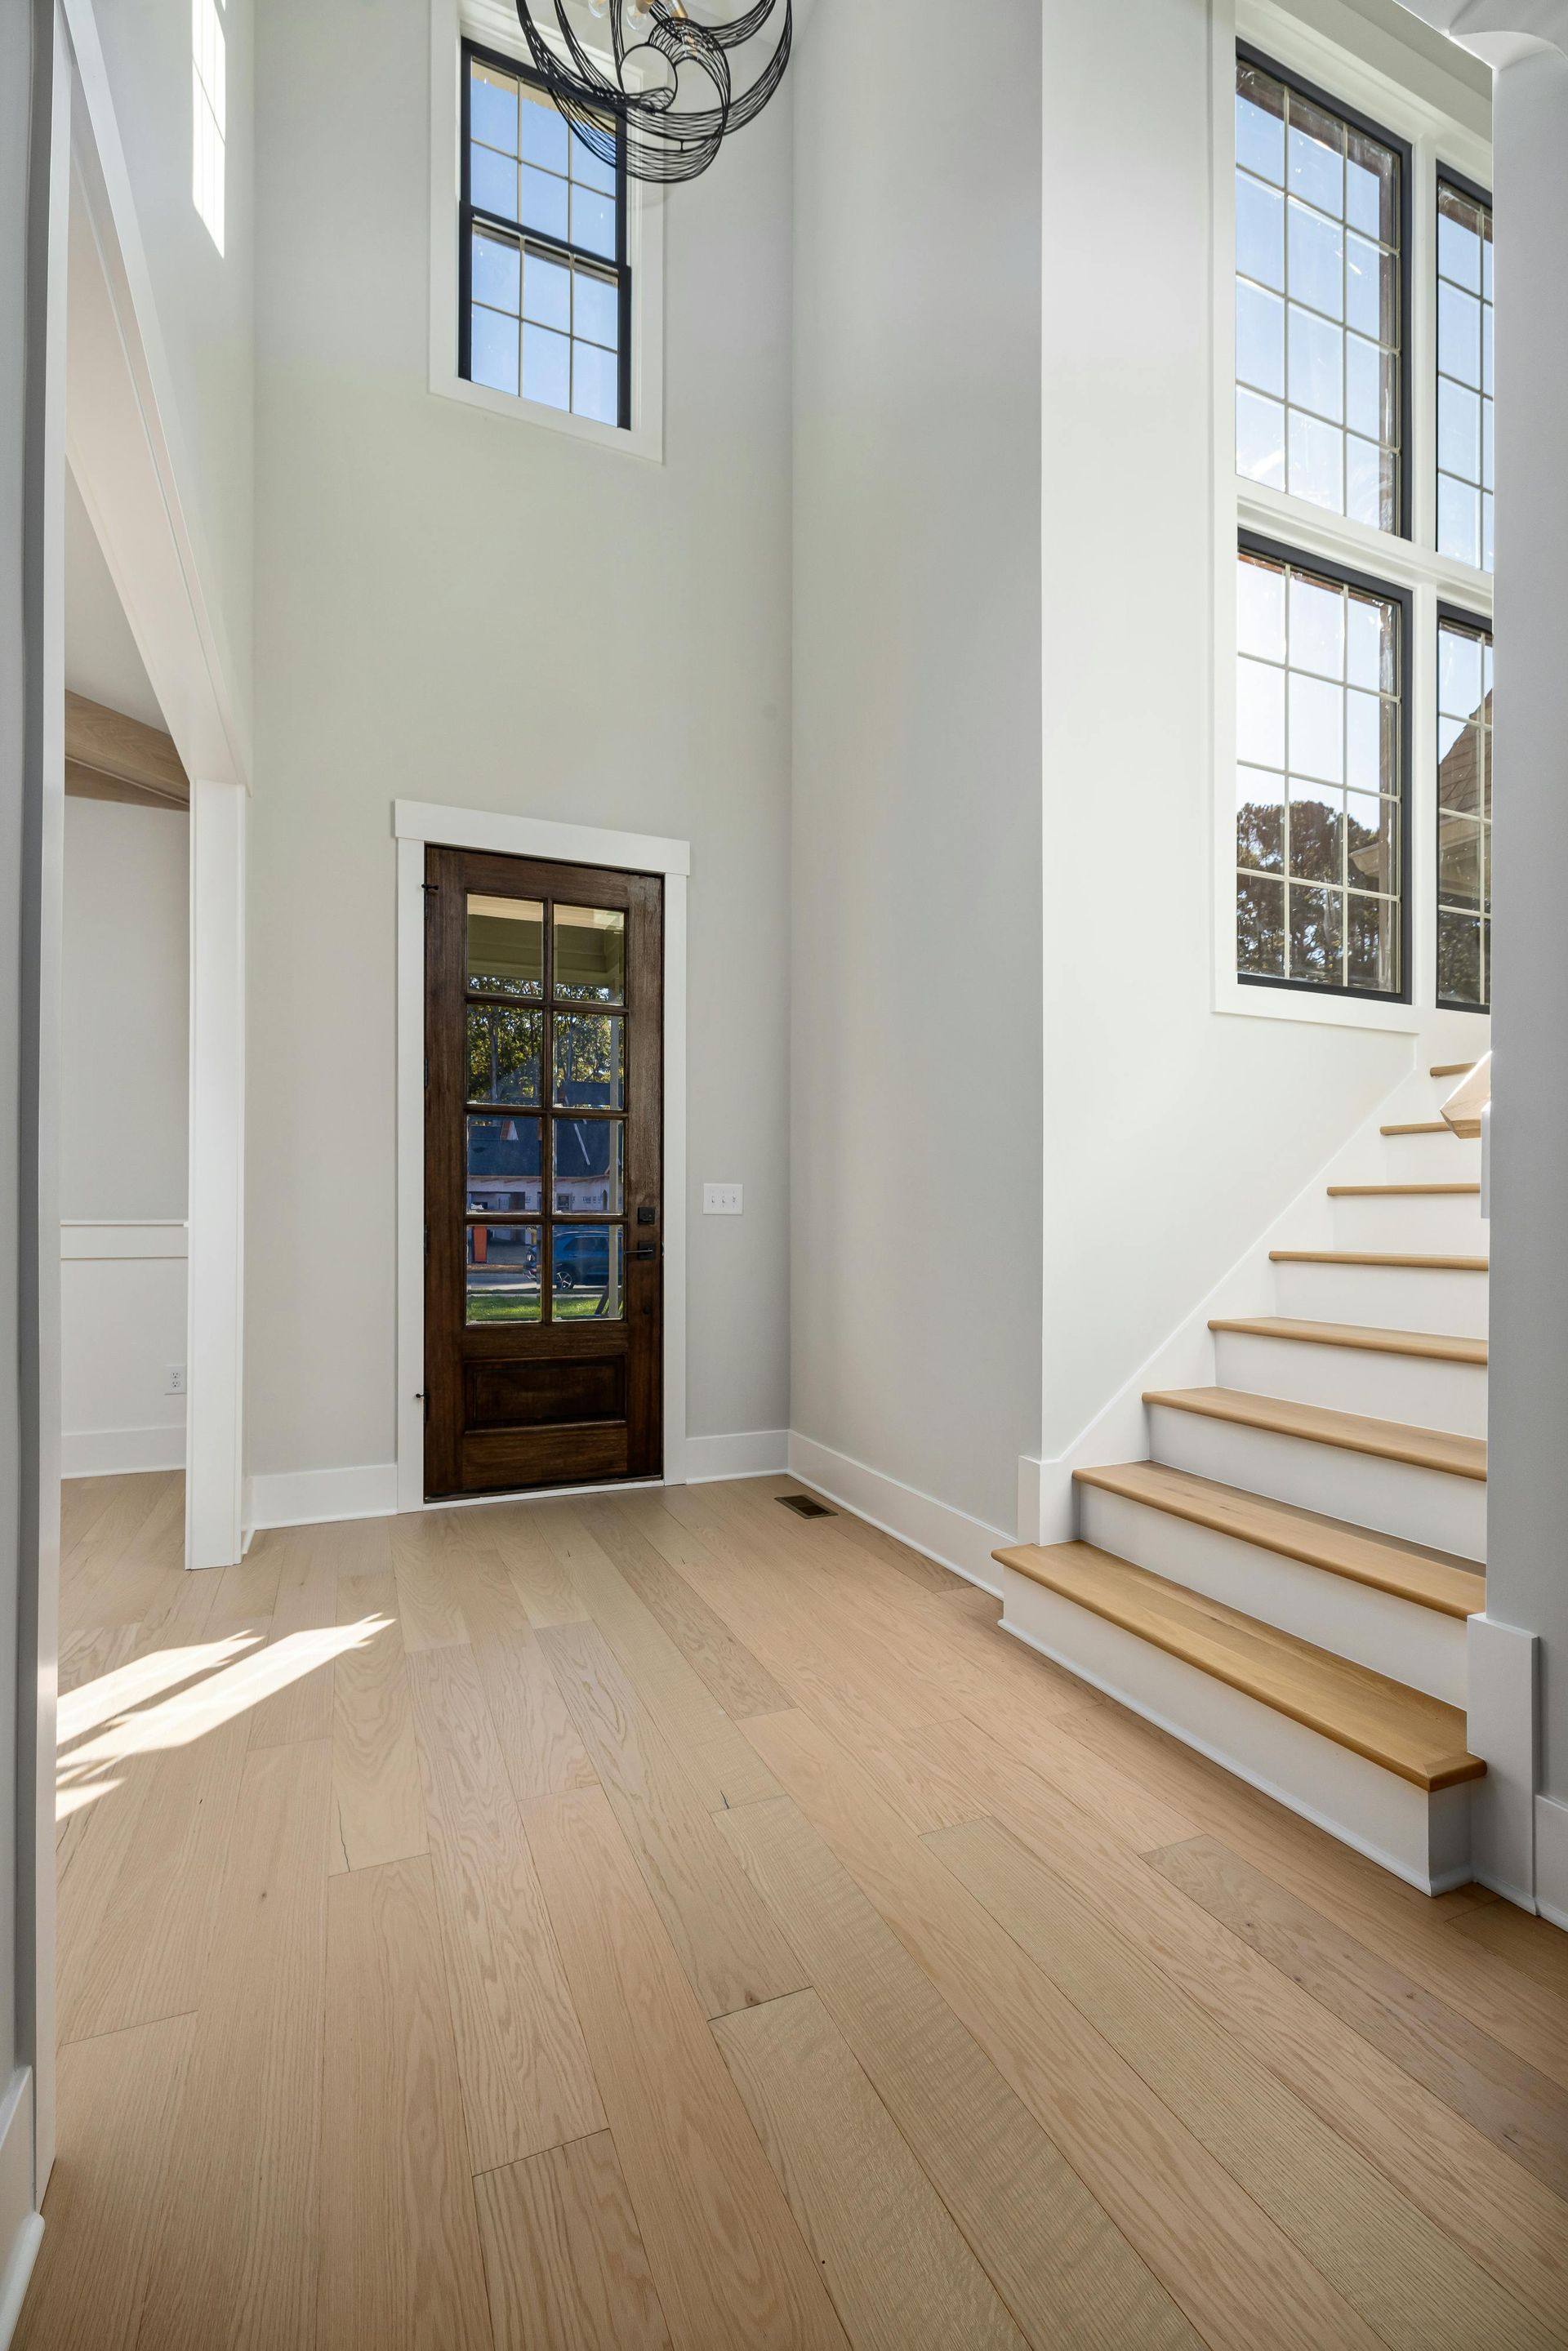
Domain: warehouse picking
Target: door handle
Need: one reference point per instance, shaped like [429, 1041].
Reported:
[645, 1248]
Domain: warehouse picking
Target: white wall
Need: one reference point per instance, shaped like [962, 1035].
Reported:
[124, 1012]
[123, 1133]
[916, 1103]
[1176, 1133]
[101, 657]
[203, 300]
[463, 607]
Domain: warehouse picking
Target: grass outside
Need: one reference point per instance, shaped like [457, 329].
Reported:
[523, 1306]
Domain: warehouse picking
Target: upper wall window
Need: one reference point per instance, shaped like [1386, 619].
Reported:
[1320, 244]
[1464, 374]
[546, 292]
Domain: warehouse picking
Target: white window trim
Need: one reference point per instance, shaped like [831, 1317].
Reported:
[1442, 118]
[451, 22]
[415, 823]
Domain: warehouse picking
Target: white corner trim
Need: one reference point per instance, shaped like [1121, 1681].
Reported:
[96, 1238]
[215, 1288]
[21, 2225]
[1031, 1485]
[1503, 1731]
[752, 1453]
[949, 1536]
[1551, 1860]
[496, 28]
[416, 823]
[121, 1452]
[531, 836]
[310, 1497]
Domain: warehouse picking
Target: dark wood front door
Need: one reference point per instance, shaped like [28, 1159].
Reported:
[544, 1120]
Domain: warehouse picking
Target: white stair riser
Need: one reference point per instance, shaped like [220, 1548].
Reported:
[1422, 1506]
[1430, 1159]
[1423, 1839]
[1412, 1645]
[1449, 1223]
[1392, 1298]
[1411, 1388]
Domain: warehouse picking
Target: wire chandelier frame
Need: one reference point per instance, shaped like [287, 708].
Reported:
[668, 138]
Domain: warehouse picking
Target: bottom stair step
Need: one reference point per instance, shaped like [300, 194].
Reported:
[1384, 1767]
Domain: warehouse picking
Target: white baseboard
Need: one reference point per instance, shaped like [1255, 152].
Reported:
[308, 1497]
[1551, 1860]
[21, 2228]
[950, 1537]
[753, 1453]
[117, 1452]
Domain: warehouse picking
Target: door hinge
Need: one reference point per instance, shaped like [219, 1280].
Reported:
[430, 888]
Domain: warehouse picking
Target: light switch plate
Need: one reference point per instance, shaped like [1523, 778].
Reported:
[721, 1200]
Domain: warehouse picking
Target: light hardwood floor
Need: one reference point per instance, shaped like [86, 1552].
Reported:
[659, 1921]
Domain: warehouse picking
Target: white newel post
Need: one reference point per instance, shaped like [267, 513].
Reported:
[1527, 1582]
[214, 1382]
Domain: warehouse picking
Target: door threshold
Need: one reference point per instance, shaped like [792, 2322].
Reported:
[548, 1493]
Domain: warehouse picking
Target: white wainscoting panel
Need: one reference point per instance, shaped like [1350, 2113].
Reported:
[122, 1329]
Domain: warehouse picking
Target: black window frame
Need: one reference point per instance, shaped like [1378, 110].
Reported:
[1316, 96]
[1446, 176]
[1457, 616]
[470, 214]
[1273, 550]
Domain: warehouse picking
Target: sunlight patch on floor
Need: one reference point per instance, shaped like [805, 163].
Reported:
[235, 1684]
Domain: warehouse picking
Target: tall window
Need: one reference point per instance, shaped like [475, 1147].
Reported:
[1464, 374]
[1320, 884]
[1464, 812]
[546, 289]
[1319, 302]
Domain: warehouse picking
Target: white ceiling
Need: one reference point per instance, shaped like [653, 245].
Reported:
[102, 658]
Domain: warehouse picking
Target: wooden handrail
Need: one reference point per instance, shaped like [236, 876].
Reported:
[1463, 1109]
[110, 756]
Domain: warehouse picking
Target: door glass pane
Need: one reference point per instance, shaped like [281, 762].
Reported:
[589, 1072]
[586, 1283]
[504, 1166]
[503, 1282]
[505, 1050]
[591, 954]
[589, 1176]
[505, 946]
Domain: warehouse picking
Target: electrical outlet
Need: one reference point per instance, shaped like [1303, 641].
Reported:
[721, 1200]
[174, 1380]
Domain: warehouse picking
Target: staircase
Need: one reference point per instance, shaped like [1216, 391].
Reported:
[1285, 1583]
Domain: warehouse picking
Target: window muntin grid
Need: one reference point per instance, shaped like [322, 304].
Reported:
[1464, 376]
[1464, 813]
[1318, 303]
[546, 300]
[1319, 779]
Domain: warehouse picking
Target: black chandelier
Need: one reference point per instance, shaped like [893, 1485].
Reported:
[674, 63]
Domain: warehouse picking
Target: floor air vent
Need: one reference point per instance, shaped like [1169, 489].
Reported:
[805, 1506]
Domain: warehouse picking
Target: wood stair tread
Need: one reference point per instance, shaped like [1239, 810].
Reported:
[1434, 1347]
[1387, 1440]
[1402, 1191]
[1423, 1259]
[1452, 1069]
[1418, 1126]
[1416, 1737]
[1428, 1579]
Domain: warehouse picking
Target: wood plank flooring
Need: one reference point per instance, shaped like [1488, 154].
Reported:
[657, 1923]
